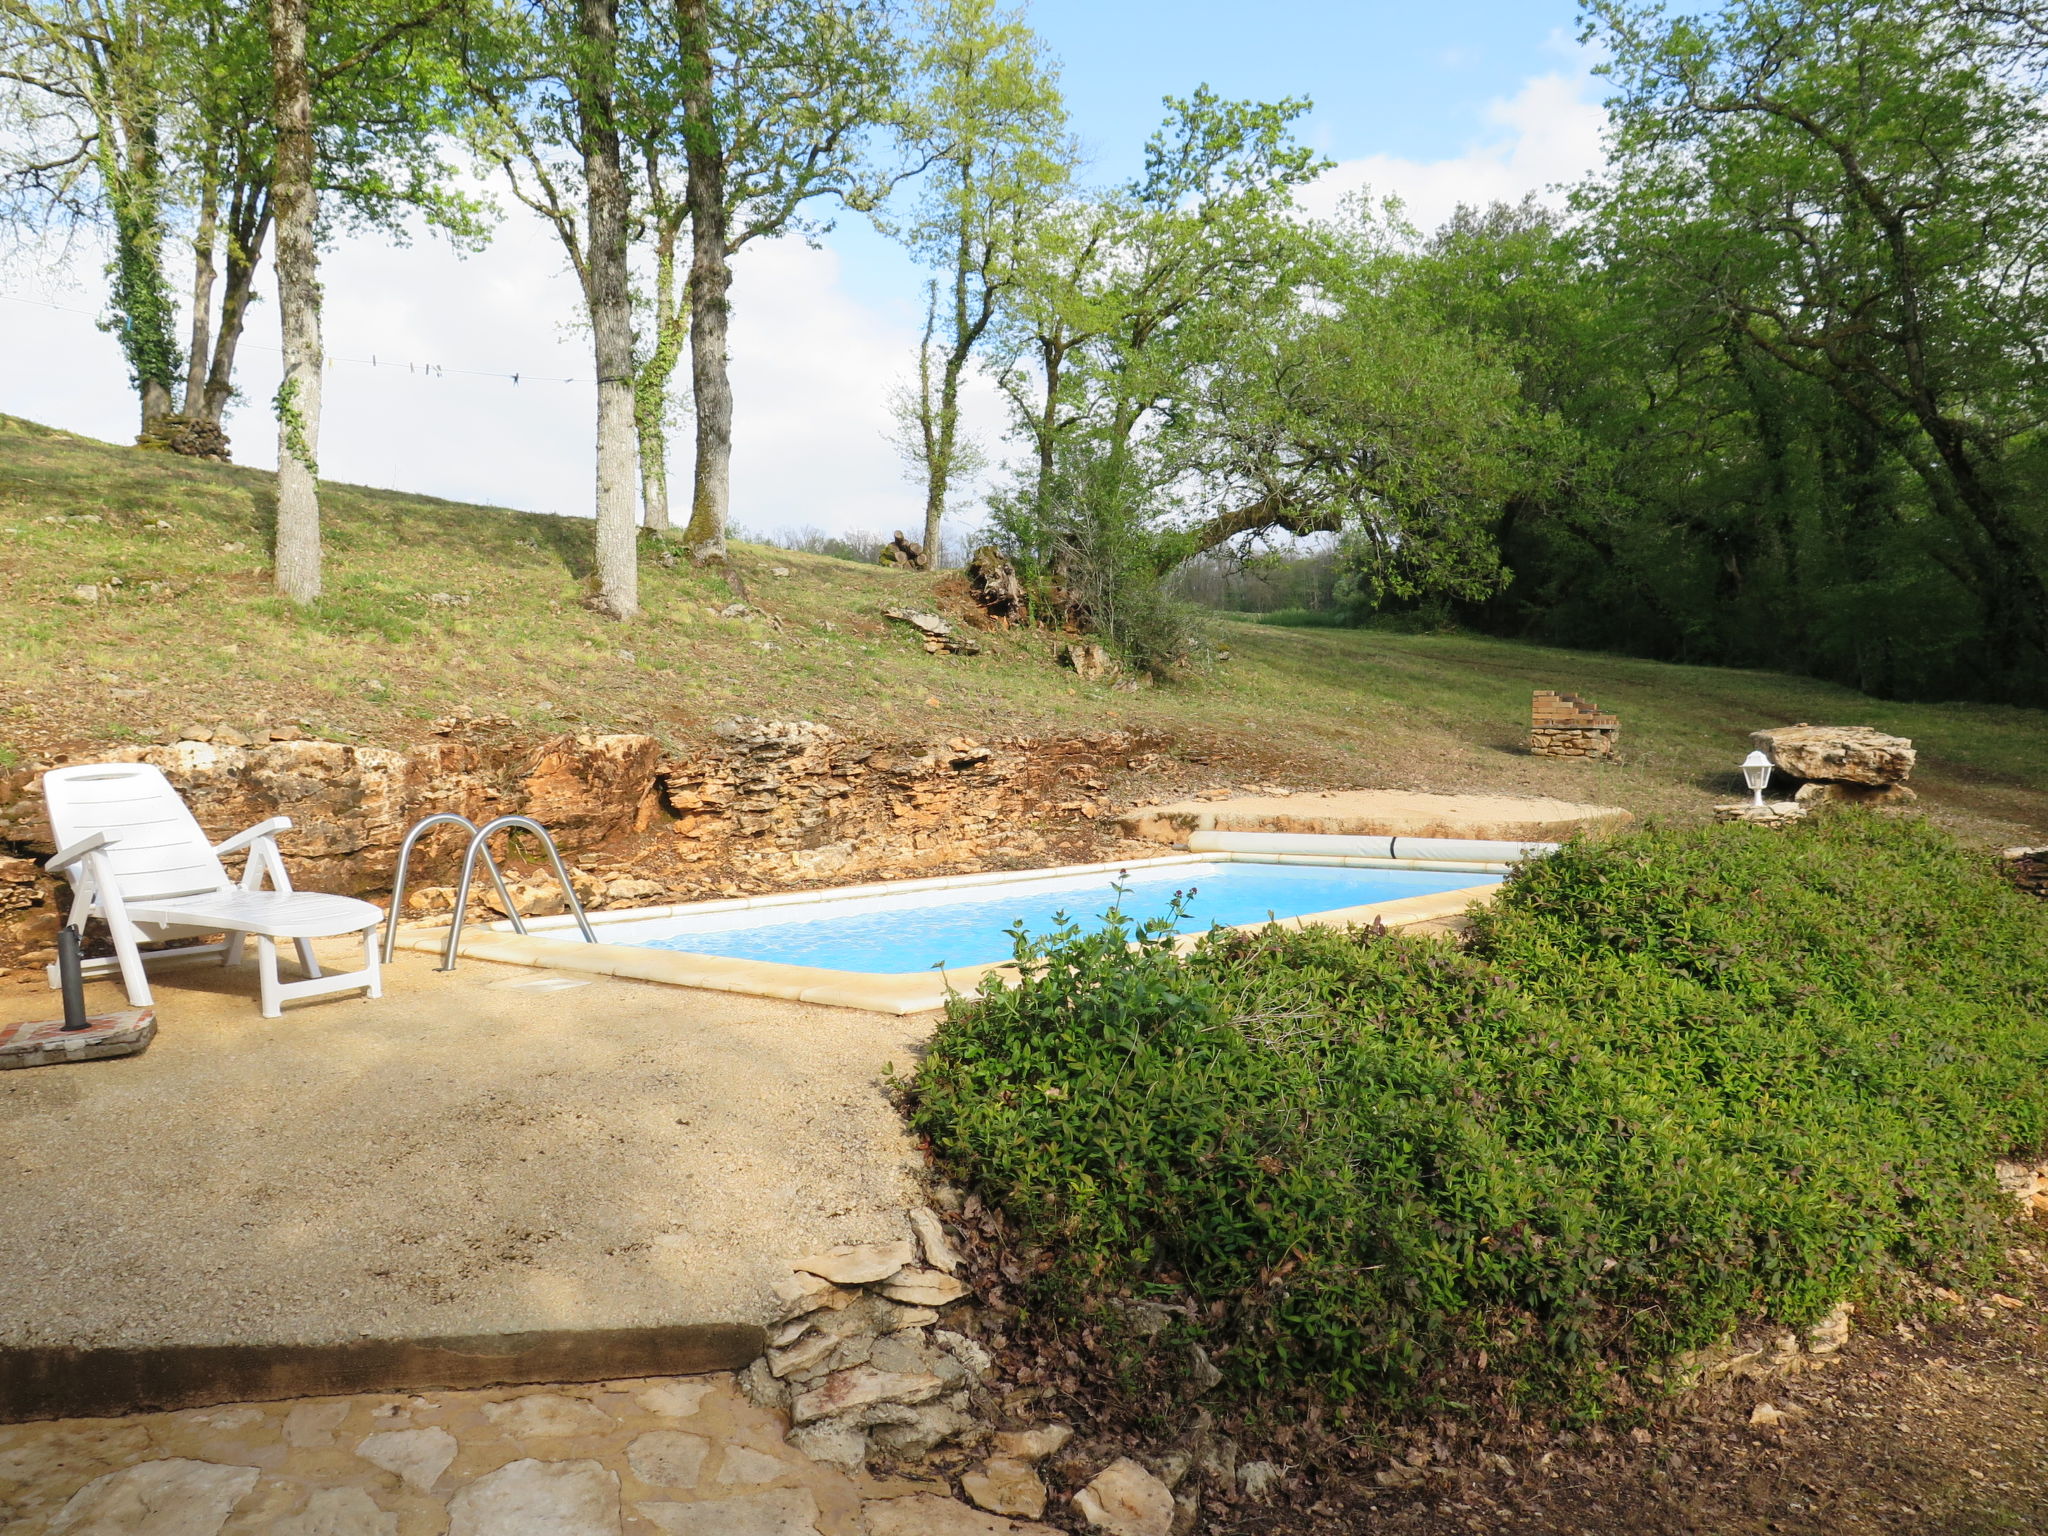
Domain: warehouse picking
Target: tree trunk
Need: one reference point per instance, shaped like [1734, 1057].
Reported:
[248, 228]
[651, 387]
[141, 298]
[710, 283]
[204, 238]
[947, 428]
[609, 300]
[298, 295]
[1053, 353]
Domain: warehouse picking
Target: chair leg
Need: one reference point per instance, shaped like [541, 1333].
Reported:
[132, 975]
[232, 955]
[306, 961]
[266, 972]
[372, 964]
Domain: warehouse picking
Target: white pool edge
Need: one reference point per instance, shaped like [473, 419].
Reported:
[920, 992]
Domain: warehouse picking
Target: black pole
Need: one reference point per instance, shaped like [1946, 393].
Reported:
[71, 978]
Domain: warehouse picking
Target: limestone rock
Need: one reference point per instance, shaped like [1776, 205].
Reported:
[1126, 1500]
[1855, 794]
[931, 1237]
[903, 1353]
[927, 1514]
[668, 1458]
[1032, 1444]
[803, 1293]
[1850, 754]
[1773, 813]
[971, 1355]
[311, 1426]
[779, 1512]
[837, 1442]
[547, 1415]
[914, 1431]
[339, 1512]
[861, 1386]
[538, 1498]
[675, 1399]
[1831, 1332]
[1767, 1415]
[174, 1497]
[744, 1465]
[1090, 662]
[858, 1265]
[1006, 1487]
[419, 1456]
[592, 786]
[799, 1357]
[1259, 1478]
[923, 1287]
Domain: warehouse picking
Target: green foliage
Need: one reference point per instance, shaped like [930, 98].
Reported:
[1677, 1080]
[1792, 326]
[1305, 618]
[1086, 541]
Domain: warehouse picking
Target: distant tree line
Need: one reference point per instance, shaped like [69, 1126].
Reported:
[1769, 391]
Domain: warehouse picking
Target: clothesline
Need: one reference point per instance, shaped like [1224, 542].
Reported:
[426, 370]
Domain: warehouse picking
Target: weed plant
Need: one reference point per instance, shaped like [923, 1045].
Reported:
[1675, 1081]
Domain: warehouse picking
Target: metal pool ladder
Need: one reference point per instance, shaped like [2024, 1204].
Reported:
[479, 844]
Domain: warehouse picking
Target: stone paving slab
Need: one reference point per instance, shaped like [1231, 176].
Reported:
[674, 1456]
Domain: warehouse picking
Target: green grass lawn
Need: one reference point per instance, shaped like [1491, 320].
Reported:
[433, 604]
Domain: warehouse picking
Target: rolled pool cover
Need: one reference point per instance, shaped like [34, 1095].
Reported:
[1460, 849]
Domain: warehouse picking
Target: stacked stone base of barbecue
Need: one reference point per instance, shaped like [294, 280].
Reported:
[1565, 725]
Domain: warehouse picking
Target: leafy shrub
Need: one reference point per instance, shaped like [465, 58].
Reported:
[1092, 553]
[1676, 1080]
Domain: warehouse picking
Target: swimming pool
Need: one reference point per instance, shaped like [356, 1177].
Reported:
[904, 946]
[901, 933]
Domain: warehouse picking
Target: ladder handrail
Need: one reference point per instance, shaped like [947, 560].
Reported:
[412, 836]
[478, 843]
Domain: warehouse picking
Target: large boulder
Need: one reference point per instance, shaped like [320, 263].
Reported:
[1837, 754]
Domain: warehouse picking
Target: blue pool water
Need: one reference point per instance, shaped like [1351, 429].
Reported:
[914, 931]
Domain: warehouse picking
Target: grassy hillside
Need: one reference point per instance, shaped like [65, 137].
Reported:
[433, 604]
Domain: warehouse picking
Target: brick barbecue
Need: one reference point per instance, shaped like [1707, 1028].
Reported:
[1565, 725]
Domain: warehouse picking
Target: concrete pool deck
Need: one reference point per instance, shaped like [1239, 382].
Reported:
[1377, 813]
[470, 1155]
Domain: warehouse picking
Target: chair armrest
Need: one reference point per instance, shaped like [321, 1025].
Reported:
[241, 840]
[64, 857]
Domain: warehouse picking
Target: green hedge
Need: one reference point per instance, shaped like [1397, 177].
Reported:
[1677, 1079]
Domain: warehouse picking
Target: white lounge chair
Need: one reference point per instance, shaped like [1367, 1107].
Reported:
[137, 859]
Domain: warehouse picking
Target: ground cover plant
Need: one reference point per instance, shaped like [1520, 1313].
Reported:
[1674, 1082]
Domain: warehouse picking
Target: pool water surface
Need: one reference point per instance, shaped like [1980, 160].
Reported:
[913, 931]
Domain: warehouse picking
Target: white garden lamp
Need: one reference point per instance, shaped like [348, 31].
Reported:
[1756, 773]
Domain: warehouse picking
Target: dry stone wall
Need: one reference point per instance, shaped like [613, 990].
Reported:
[1565, 725]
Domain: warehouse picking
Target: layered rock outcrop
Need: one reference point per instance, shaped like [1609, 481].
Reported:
[1837, 754]
[760, 805]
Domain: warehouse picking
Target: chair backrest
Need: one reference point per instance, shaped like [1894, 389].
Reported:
[158, 849]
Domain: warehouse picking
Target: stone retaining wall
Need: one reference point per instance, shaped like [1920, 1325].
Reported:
[761, 806]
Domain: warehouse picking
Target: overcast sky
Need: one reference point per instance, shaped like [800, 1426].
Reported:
[1462, 100]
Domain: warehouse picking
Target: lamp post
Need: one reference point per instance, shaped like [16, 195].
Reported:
[1756, 773]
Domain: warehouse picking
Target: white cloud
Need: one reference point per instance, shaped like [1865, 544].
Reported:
[812, 369]
[1547, 133]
